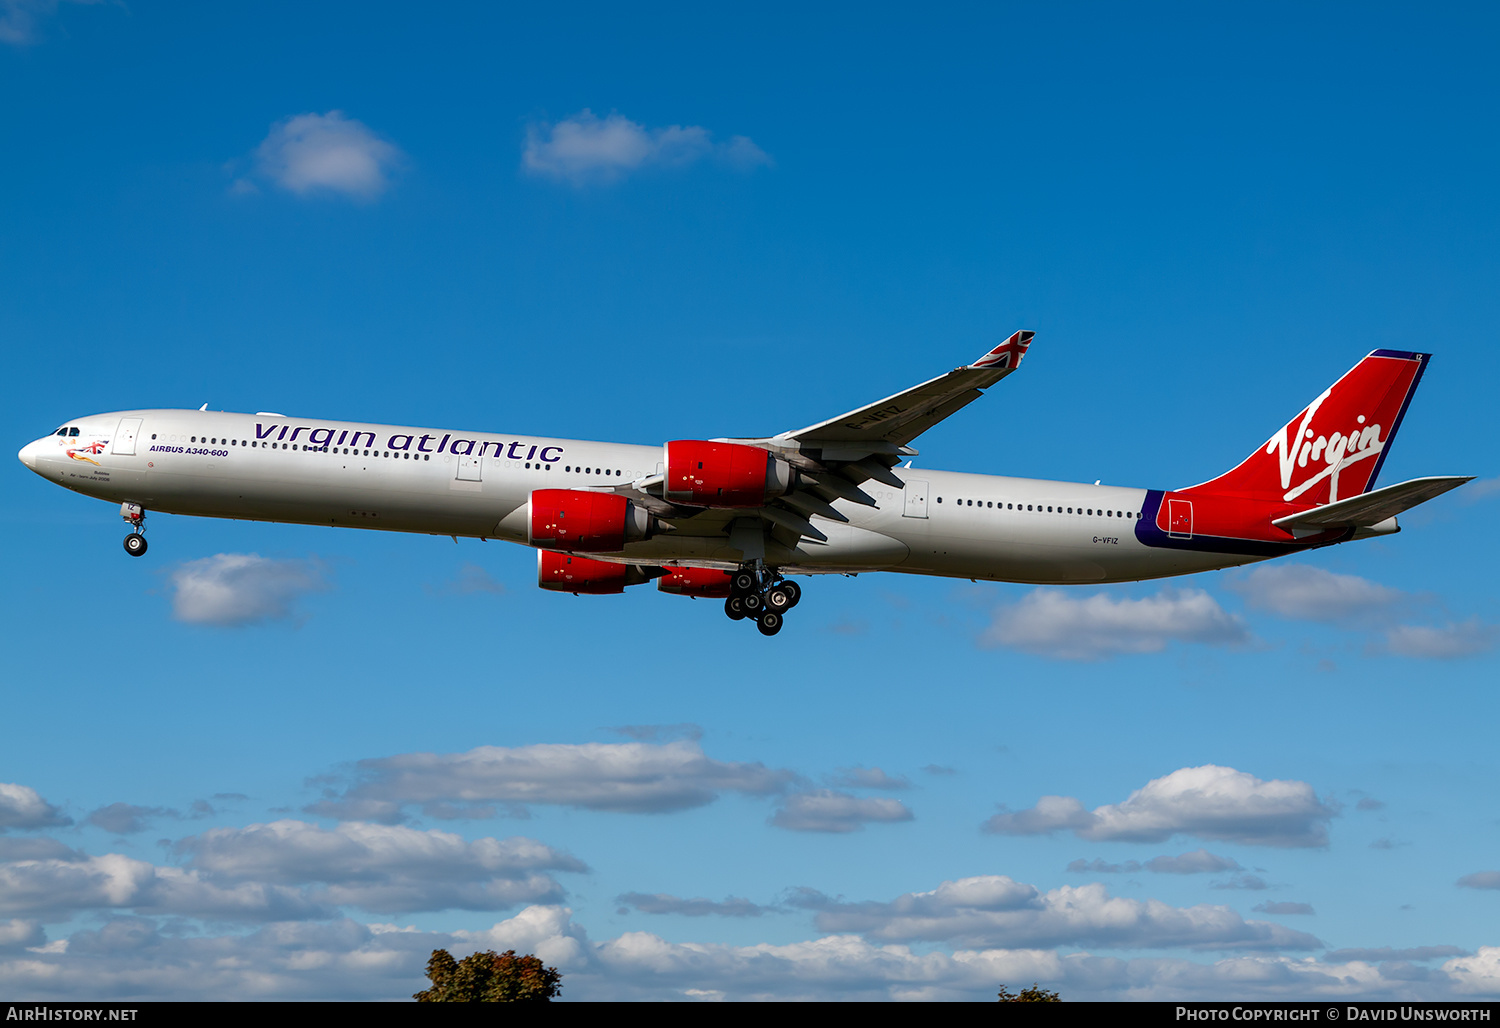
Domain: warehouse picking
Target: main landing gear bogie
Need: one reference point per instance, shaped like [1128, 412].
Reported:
[761, 596]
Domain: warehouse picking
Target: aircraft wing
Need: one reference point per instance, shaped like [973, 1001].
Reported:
[835, 457]
[887, 425]
[1373, 507]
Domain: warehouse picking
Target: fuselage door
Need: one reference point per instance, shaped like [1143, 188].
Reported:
[469, 467]
[124, 442]
[916, 499]
[1180, 519]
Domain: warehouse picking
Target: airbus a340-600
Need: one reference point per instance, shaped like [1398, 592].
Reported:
[734, 518]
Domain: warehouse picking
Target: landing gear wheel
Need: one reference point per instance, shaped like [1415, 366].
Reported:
[135, 544]
[769, 622]
[794, 590]
[753, 604]
[743, 582]
[779, 599]
[734, 607]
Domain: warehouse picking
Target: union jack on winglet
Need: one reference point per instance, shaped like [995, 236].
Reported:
[1008, 354]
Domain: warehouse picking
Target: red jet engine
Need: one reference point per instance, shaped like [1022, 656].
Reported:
[568, 573]
[724, 474]
[706, 582]
[577, 519]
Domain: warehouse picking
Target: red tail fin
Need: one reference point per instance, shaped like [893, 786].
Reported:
[1333, 449]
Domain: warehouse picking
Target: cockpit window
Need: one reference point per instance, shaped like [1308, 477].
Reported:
[72, 431]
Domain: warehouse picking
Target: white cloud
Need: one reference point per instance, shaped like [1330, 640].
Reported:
[1385, 953]
[633, 777]
[311, 154]
[387, 869]
[286, 871]
[825, 810]
[1196, 862]
[19, 934]
[19, 18]
[1210, 802]
[993, 911]
[41, 848]
[132, 959]
[1481, 880]
[474, 579]
[232, 589]
[1099, 866]
[659, 733]
[1307, 593]
[57, 888]
[1052, 623]
[1051, 814]
[1480, 489]
[129, 958]
[860, 777]
[1445, 642]
[22, 807]
[127, 818]
[1476, 975]
[549, 932]
[640, 965]
[664, 903]
[585, 148]
[1312, 594]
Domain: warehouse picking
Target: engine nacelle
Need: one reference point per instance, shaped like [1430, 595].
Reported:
[724, 474]
[577, 519]
[569, 573]
[705, 582]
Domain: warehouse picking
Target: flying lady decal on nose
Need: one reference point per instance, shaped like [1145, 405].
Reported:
[96, 447]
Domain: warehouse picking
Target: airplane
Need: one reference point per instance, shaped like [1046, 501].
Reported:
[735, 518]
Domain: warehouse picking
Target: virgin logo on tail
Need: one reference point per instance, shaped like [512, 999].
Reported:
[1336, 452]
[1334, 448]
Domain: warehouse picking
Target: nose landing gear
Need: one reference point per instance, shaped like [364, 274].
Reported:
[763, 596]
[135, 514]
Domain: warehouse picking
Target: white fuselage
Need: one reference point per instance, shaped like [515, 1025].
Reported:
[477, 484]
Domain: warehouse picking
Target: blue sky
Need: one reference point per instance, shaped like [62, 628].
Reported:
[284, 762]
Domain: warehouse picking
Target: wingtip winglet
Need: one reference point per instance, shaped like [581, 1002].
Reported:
[1007, 355]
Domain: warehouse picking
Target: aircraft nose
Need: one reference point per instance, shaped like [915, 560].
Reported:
[29, 454]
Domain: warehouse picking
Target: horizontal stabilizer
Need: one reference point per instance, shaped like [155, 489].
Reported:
[1371, 508]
